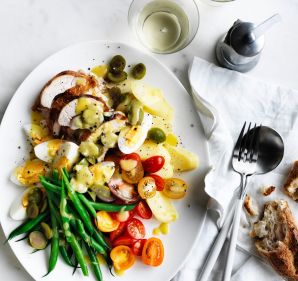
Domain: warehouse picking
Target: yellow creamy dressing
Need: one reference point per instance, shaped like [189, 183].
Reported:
[163, 228]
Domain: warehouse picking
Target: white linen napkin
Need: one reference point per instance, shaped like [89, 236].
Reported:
[225, 100]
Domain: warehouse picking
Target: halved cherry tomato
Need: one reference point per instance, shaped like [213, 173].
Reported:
[153, 164]
[105, 222]
[135, 175]
[129, 161]
[118, 232]
[135, 229]
[138, 246]
[153, 252]
[175, 188]
[122, 257]
[159, 182]
[143, 210]
[121, 216]
[124, 240]
[146, 187]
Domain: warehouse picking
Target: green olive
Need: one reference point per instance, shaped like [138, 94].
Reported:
[35, 195]
[117, 77]
[125, 103]
[139, 71]
[44, 205]
[32, 210]
[117, 64]
[47, 231]
[157, 135]
[37, 240]
[116, 96]
[135, 113]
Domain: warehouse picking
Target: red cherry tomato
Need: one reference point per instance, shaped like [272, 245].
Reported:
[143, 210]
[118, 232]
[159, 182]
[153, 164]
[135, 229]
[124, 241]
[137, 246]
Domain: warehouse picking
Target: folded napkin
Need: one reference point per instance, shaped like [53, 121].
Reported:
[225, 100]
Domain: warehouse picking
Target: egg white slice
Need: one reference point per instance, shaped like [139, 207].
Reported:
[131, 138]
[70, 151]
[17, 211]
[46, 151]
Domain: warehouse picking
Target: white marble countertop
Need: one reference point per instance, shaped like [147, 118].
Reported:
[31, 30]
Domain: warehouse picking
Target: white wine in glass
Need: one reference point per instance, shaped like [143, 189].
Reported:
[163, 26]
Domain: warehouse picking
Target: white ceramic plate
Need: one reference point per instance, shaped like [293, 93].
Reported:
[183, 233]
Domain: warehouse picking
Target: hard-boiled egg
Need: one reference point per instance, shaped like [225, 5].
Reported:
[131, 138]
[66, 156]
[29, 172]
[17, 209]
[36, 133]
[46, 151]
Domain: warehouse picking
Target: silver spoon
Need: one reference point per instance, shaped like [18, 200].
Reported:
[271, 151]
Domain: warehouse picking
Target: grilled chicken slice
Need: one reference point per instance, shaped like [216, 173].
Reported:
[74, 82]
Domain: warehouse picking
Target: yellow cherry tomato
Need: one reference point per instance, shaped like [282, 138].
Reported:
[105, 222]
[147, 187]
[122, 257]
[175, 188]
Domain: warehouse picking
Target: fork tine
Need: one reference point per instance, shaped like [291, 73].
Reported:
[243, 146]
[255, 152]
[250, 149]
[238, 143]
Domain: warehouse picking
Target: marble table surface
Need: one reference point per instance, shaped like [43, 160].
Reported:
[31, 30]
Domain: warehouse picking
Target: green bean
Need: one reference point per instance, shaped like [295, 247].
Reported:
[89, 240]
[56, 175]
[49, 186]
[65, 256]
[87, 204]
[70, 238]
[111, 207]
[82, 211]
[55, 239]
[26, 226]
[94, 262]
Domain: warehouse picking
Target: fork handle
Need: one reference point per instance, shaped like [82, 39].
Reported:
[233, 240]
[216, 247]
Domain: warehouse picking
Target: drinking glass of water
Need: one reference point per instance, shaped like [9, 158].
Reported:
[164, 26]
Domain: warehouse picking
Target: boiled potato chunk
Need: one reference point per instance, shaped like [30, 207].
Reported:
[152, 99]
[162, 208]
[162, 123]
[182, 159]
[150, 148]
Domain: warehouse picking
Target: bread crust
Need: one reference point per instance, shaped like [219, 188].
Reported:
[291, 184]
[282, 254]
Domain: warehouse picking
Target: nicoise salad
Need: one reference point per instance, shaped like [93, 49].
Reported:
[103, 161]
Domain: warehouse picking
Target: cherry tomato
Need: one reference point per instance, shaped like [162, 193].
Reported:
[153, 252]
[105, 222]
[121, 216]
[143, 210]
[122, 257]
[129, 161]
[153, 164]
[135, 229]
[146, 187]
[135, 175]
[124, 240]
[175, 188]
[118, 232]
[159, 182]
[138, 246]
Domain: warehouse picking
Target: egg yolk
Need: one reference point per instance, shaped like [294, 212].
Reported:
[29, 173]
[133, 135]
[62, 162]
[53, 147]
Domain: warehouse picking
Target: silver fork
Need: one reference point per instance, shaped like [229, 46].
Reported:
[244, 162]
[243, 145]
